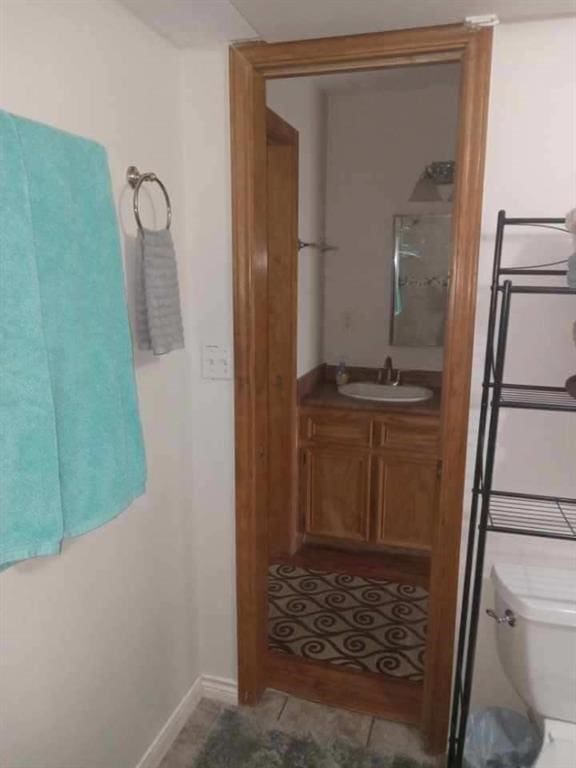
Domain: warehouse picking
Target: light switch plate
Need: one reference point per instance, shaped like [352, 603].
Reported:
[216, 362]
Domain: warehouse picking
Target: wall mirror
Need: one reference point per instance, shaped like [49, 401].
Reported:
[422, 247]
[386, 189]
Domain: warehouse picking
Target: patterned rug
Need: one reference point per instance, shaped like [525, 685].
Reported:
[364, 624]
[236, 742]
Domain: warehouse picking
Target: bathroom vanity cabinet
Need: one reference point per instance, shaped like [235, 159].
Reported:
[369, 477]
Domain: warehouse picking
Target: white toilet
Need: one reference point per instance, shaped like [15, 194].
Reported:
[536, 638]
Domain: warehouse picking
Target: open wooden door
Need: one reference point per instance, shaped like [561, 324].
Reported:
[282, 240]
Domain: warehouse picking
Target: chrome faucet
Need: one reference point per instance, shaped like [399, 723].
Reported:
[388, 374]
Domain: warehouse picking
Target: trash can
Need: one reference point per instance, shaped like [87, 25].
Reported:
[500, 738]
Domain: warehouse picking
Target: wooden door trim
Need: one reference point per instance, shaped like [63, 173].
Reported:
[248, 170]
[351, 52]
[382, 695]
[250, 65]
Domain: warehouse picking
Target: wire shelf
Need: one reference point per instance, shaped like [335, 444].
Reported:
[532, 515]
[540, 289]
[505, 512]
[539, 271]
[535, 397]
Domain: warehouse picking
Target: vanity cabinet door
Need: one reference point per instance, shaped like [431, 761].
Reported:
[405, 495]
[335, 489]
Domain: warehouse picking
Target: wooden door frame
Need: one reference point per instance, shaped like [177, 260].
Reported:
[250, 65]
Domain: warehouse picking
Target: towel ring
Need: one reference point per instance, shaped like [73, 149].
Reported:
[136, 179]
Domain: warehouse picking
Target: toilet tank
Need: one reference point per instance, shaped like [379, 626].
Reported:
[538, 653]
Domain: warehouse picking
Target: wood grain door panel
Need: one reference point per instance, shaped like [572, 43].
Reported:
[282, 242]
[336, 495]
[405, 496]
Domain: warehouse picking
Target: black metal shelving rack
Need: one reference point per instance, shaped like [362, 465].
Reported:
[499, 510]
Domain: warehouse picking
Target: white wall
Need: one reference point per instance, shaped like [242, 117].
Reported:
[300, 102]
[530, 171]
[99, 645]
[531, 106]
[380, 138]
[208, 214]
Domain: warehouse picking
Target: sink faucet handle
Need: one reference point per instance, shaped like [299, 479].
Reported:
[391, 375]
[388, 374]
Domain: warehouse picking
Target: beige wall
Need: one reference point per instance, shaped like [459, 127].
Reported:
[300, 103]
[380, 138]
[530, 171]
[525, 182]
[99, 644]
[208, 214]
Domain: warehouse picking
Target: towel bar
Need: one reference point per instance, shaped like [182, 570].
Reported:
[136, 179]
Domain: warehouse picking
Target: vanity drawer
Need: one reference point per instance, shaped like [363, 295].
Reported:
[416, 433]
[344, 428]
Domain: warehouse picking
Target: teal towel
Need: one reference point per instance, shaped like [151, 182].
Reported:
[72, 454]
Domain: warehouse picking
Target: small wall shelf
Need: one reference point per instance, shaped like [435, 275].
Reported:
[504, 511]
[535, 398]
[530, 515]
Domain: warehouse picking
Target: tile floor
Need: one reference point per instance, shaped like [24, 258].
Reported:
[287, 713]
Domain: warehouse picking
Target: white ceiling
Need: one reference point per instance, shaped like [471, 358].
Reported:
[277, 20]
[204, 22]
[193, 22]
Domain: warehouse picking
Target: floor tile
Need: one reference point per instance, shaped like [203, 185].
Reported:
[181, 755]
[297, 716]
[193, 735]
[395, 738]
[324, 723]
[268, 709]
[203, 718]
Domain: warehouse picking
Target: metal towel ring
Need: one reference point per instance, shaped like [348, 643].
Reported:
[136, 179]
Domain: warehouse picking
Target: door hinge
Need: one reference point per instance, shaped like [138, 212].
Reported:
[483, 20]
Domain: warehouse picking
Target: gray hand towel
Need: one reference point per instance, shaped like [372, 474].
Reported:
[158, 314]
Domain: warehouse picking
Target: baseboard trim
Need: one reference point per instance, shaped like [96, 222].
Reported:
[172, 727]
[205, 686]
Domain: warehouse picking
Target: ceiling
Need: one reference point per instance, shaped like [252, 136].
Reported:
[204, 22]
[189, 23]
[276, 20]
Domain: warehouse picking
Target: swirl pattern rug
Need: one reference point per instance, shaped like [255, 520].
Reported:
[365, 624]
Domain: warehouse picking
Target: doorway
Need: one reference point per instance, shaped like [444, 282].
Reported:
[250, 66]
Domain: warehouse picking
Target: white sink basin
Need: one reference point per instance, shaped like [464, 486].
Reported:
[386, 393]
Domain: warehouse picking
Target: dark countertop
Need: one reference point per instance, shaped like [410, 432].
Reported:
[325, 395]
